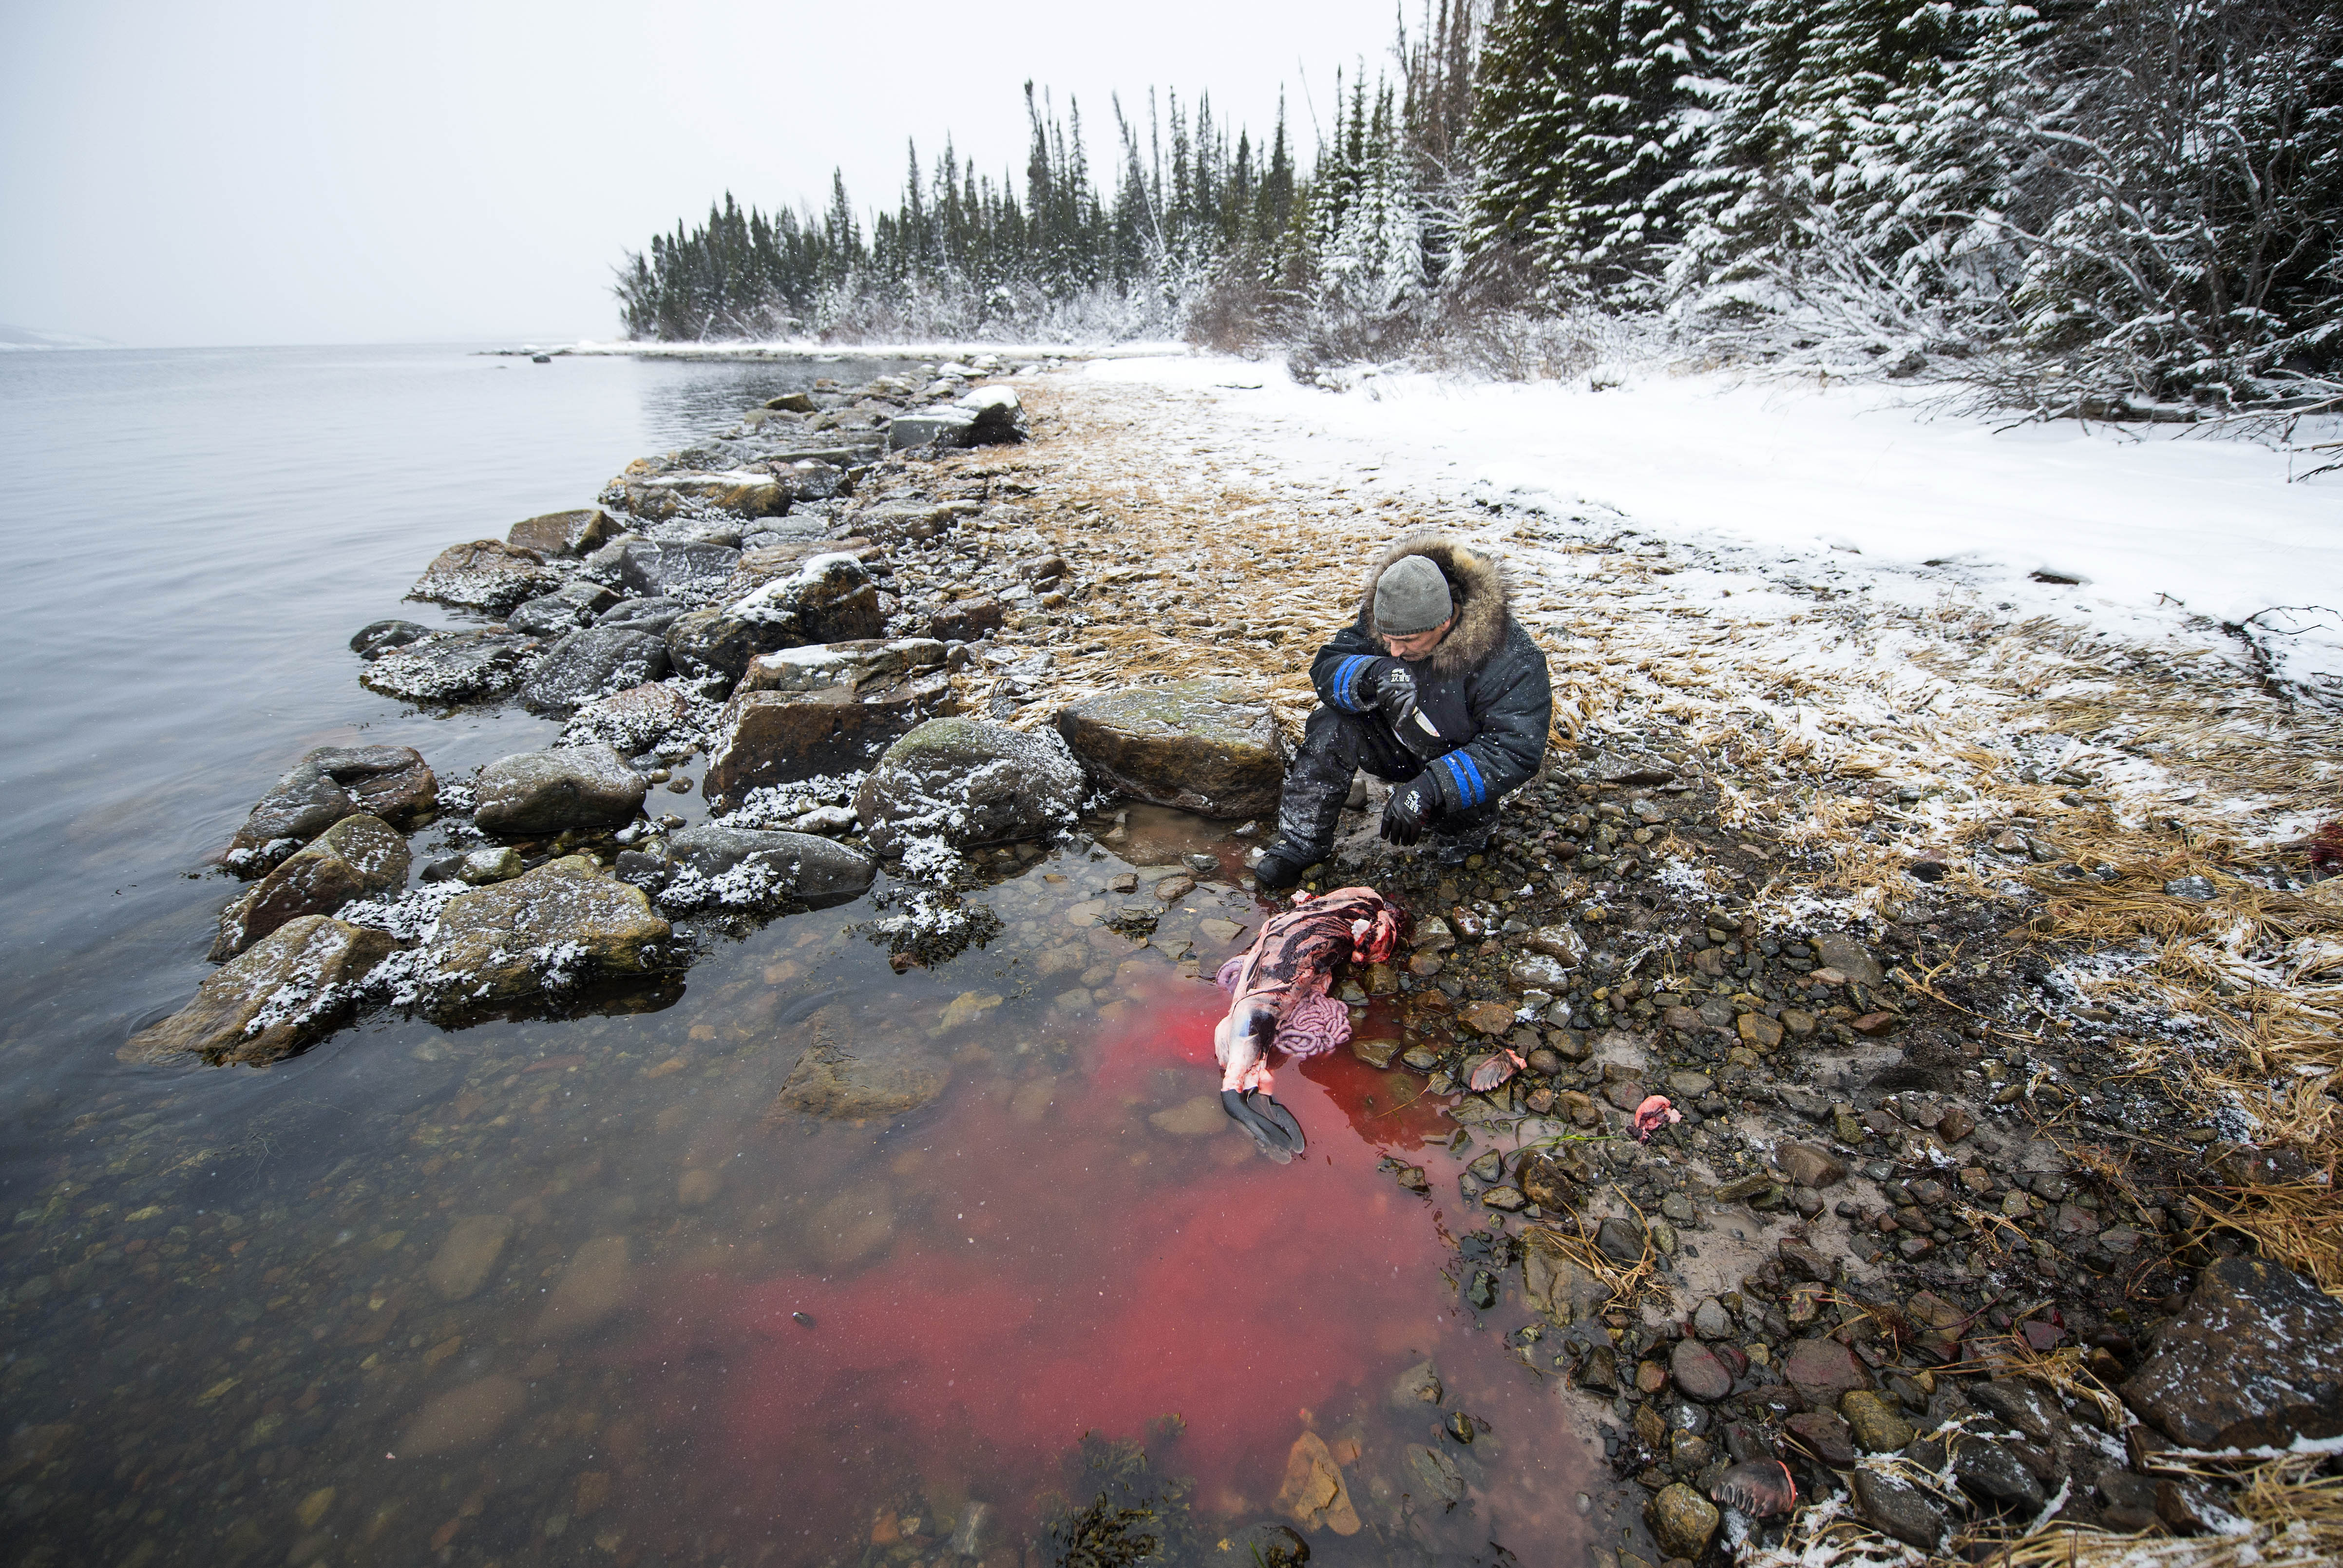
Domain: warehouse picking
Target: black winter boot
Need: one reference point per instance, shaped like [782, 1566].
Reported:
[1279, 869]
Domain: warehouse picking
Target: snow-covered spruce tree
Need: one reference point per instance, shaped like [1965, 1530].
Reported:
[2193, 245]
[1798, 130]
[1586, 117]
[1367, 240]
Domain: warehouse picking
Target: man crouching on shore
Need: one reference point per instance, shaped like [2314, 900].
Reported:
[1436, 688]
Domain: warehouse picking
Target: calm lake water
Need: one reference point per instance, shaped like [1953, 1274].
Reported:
[575, 1291]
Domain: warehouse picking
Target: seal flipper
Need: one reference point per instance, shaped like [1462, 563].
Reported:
[1278, 1117]
[1273, 1130]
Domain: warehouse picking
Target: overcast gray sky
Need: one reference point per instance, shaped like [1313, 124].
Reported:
[279, 172]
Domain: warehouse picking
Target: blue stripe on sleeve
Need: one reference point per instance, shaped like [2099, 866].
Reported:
[1346, 680]
[1456, 777]
[1480, 783]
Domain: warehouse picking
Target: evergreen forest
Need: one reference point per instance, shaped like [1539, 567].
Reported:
[2111, 207]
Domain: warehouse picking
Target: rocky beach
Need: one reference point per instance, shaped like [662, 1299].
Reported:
[915, 737]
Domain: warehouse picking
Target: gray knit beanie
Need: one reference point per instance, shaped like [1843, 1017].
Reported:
[1411, 597]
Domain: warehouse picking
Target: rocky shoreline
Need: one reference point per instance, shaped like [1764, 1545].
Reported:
[1912, 1238]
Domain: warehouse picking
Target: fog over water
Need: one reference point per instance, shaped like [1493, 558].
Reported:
[270, 171]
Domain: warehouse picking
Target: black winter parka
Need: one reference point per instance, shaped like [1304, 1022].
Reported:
[1484, 688]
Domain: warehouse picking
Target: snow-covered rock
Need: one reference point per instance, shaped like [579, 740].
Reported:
[280, 995]
[486, 575]
[966, 781]
[590, 662]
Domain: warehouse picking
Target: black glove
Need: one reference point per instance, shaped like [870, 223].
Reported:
[1393, 685]
[1410, 805]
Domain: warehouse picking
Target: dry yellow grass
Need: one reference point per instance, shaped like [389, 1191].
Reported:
[1813, 723]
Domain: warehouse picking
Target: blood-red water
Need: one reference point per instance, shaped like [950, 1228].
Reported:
[1085, 1272]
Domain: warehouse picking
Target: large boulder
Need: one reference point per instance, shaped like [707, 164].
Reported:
[750, 868]
[2254, 1360]
[280, 995]
[987, 415]
[543, 933]
[486, 575]
[574, 604]
[685, 569]
[807, 478]
[563, 533]
[631, 721]
[995, 415]
[377, 637]
[451, 667]
[391, 782]
[828, 708]
[829, 598]
[743, 492]
[969, 782]
[764, 563]
[943, 425]
[1199, 745]
[590, 662]
[860, 665]
[537, 792]
[357, 858]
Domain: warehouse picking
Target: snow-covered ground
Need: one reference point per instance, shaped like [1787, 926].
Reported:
[2168, 534]
[811, 349]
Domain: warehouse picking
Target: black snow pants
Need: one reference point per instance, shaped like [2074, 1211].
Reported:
[1335, 746]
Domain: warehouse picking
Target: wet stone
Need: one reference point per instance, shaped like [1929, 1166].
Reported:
[1435, 1474]
[464, 1417]
[1698, 1371]
[486, 575]
[1269, 1545]
[453, 666]
[969, 782]
[358, 857]
[590, 662]
[574, 604]
[474, 1243]
[1990, 1473]
[847, 1077]
[560, 925]
[1876, 1427]
[2254, 1358]
[1835, 950]
[1416, 1387]
[1822, 1370]
[571, 533]
[587, 1290]
[1823, 1432]
[1682, 1520]
[1900, 1509]
[539, 792]
[1620, 1238]
[281, 994]
[1809, 1166]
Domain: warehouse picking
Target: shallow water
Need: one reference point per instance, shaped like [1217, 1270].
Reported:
[579, 1289]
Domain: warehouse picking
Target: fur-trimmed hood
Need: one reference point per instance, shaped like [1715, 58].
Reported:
[1476, 584]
